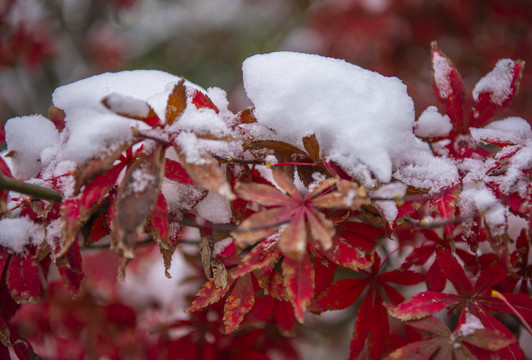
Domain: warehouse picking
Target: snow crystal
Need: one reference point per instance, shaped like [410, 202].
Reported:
[481, 199]
[362, 120]
[190, 146]
[422, 170]
[91, 125]
[19, 232]
[181, 197]
[28, 137]
[442, 71]
[432, 124]
[141, 180]
[202, 121]
[498, 82]
[512, 130]
[470, 325]
[215, 208]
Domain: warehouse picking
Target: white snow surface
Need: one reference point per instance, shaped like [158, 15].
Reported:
[28, 137]
[91, 126]
[362, 120]
[498, 82]
[470, 325]
[432, 124]
[442, 71]
[512, 130]
[19, 232]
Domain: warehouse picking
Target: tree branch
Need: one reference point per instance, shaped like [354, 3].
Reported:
[36, 191]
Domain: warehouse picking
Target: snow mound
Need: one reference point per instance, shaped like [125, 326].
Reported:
[362, 120]
[91, 126]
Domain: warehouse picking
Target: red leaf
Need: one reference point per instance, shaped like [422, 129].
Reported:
[448, 87]
[453, 271]
[299, 283]
[238, 303]
[422, 305]
[174, 171]
[72, 272]
[23, 279]
[343, 254]
[496, 90]
[203, 101]
[265, 254]
[339, 295]
[209, 294]
[159, 219]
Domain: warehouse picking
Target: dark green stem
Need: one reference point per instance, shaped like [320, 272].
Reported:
[35, 191]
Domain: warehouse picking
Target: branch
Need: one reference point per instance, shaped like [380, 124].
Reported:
[35, 191]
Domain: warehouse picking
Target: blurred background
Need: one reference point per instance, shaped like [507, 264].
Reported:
[48, 43]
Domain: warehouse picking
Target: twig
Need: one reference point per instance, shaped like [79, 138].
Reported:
[36, 191]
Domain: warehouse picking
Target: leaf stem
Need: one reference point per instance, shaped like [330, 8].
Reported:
[36, 191]
[498, 295]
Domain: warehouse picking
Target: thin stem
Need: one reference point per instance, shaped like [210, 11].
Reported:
[36, 191]
[500, 296]
[294, 163]
[143, 135]
[230, 159]
[433, 224]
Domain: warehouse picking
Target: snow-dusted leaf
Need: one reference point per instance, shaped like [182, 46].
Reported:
[448, 86]
[132, 108]
[299, 283]
[496, 90]
[312, 146]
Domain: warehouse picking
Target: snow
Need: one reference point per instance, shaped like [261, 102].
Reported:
[127, 105]
[220, 246]
[19, 232]
[91, 126]
[512, 130]
[393, 191]
[362, 120]
[470, 325]
[28, 137]
[442, 71]
[432, 124]
[498, 82]
[215, 208]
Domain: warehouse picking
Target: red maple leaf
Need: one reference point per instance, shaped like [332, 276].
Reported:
[371, 326]
[475, 298]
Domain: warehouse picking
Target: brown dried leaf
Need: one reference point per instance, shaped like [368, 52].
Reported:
[313, 148]
[321, 229]
[278, 146]
[130, 107]
[205, 255]
[177, 102]
[285, 182]
[219, 273]
[136, 197]
[246, 116]
[262, 194]
[207, 174]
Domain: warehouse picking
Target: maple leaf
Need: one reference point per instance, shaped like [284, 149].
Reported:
[475, 298]
[444, 344]
[371, 325]
[300, 212]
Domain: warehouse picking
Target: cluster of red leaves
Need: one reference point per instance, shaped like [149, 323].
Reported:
[295, 248]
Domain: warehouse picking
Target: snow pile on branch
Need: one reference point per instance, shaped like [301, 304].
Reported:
[362, 120]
